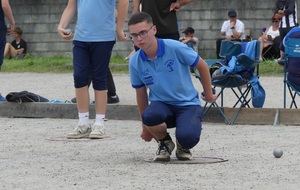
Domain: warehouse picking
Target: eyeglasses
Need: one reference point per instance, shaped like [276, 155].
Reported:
[142, 34]
[275, 20]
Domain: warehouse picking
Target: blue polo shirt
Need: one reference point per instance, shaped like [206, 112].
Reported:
[168, 75]
[96, 21]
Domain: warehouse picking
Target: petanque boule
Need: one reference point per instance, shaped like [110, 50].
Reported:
[277, 152]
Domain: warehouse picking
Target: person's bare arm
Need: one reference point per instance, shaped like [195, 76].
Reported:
[122, 14]
[176, 6]
[141, 99]
[20, 51]
[66, 18]
[235, 34]
[185, 40]
[223, 36]
[142, 102]
[8, 14]
[135, 6]
[205, 80]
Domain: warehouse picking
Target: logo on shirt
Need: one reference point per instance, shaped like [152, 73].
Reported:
[169, 64]
[147, 77]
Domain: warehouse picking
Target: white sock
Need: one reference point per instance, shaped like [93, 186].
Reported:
[84, 118]
[100, 118]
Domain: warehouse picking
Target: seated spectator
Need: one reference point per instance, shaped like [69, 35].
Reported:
[271, 37]
[189, 38]
[232, 29]
[16, 48]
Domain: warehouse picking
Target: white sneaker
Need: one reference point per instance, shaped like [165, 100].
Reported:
[98, 131]
[80, 131]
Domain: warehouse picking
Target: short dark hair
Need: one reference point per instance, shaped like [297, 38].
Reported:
[18, 30]
[232, 13]
[140, 17]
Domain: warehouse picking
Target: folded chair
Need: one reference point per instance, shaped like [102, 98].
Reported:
[236, 73]
[292, 70]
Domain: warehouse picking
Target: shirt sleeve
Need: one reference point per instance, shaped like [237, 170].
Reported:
[240, 27]
[136, 81]
[23, 44]
[224, 26]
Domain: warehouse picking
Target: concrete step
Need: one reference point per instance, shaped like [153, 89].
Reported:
[249, 116]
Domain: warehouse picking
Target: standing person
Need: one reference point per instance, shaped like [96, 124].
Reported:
[163, 14]
[286, 10]
[174, 101]
[5, 11]
[232, 29]
[93, 41]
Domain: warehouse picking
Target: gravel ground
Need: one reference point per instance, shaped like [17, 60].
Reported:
[36, 155]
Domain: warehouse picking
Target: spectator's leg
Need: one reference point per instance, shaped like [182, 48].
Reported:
[111, 88]
[112, 96]
[218, 47]
[9, 51]
[276, 47]
[261, 40]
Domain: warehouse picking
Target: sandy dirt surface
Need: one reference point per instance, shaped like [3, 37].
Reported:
[35, 155]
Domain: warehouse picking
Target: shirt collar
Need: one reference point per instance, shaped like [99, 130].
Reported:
[160, 50]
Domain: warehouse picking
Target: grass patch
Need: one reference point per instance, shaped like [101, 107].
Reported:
[55, 64]
[63, 64]
[270, 68]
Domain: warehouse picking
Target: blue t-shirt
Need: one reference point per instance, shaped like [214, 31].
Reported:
[168, 75]
[96, 21]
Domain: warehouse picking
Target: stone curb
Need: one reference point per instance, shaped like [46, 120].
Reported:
[249, 116]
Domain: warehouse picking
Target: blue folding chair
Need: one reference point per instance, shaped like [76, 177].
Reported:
[236, 73]
[292, 55]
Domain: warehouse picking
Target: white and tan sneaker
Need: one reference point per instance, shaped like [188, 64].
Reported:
[182, 154]
[80, 131]
[164, 151]
[98, 131]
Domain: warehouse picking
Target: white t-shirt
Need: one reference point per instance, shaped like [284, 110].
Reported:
[239, 27]
[272, 32]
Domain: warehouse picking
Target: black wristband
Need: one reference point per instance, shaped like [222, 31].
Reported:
[232, 27]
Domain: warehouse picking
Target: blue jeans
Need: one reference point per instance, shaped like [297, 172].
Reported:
[186, 119]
